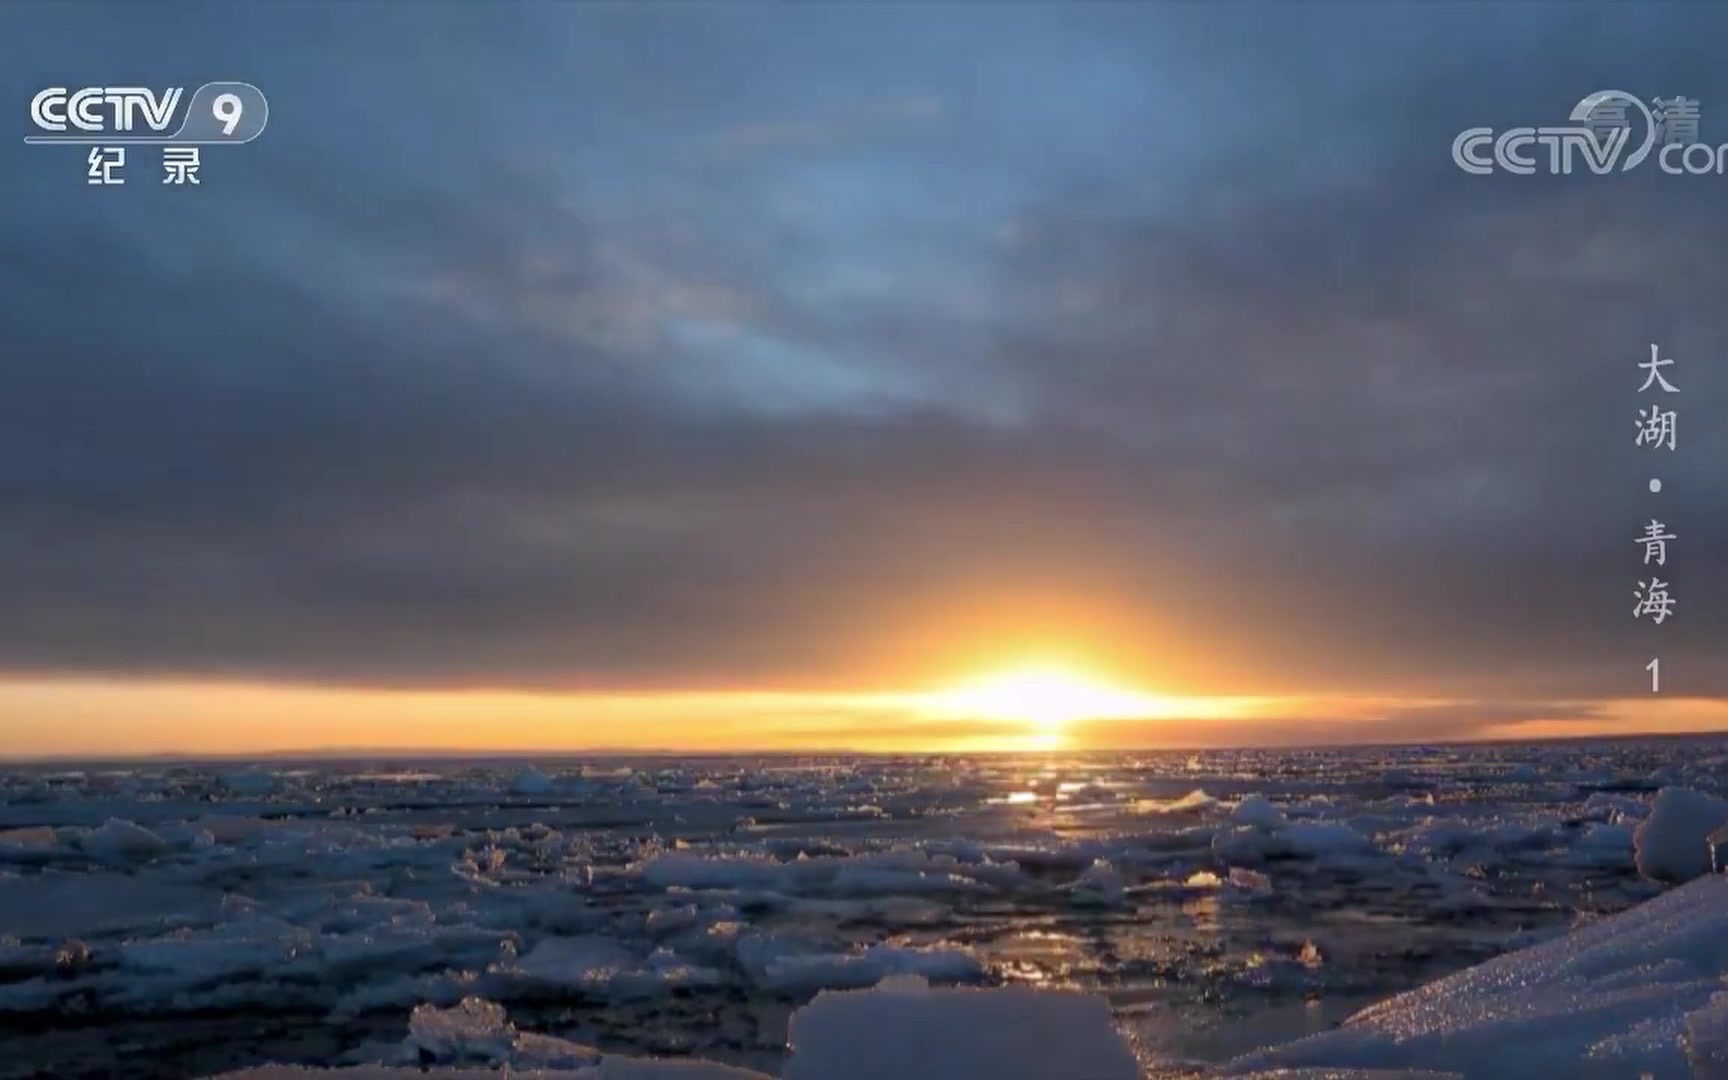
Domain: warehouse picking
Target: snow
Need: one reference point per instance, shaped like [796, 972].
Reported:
[1639, 992]
[1673, 842]
[908, 1031]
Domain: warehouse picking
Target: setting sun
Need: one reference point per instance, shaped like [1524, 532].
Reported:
[1046, 698]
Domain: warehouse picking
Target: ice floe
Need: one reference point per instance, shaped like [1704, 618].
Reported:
[906, 1030]
[1673, 842]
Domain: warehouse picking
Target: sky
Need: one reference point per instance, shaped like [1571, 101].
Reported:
[736, 376]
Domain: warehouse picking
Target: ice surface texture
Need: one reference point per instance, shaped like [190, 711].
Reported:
[1637, 994]
[170, 920]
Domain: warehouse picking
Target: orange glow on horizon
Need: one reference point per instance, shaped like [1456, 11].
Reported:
[1040, 707]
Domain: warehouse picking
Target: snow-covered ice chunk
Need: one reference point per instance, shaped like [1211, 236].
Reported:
[908, 1031]
[1258, 811]
[1304, 840]
[1673, 842]
[119, 840]
[477, 1031]
[474, 1030]
[1632, 994]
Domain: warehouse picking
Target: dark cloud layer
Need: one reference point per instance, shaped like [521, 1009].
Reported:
[500, 360]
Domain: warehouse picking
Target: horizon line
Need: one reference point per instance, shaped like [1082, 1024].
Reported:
[327, 754]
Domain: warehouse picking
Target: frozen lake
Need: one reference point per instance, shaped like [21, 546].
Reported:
[173, 920]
